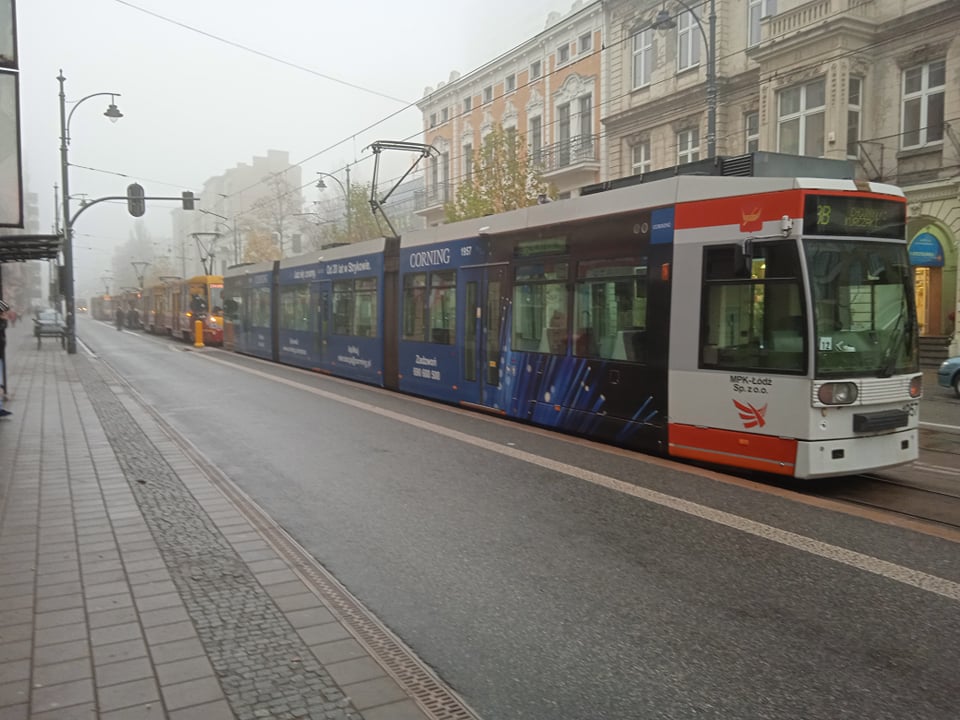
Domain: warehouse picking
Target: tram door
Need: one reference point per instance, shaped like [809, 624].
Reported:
[480, 292]
[320, 293]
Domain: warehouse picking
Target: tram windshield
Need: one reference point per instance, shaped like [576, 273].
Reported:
[863, 308]
[216, 298]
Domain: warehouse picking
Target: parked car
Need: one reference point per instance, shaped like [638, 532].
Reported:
[49, 323]
[949, 374]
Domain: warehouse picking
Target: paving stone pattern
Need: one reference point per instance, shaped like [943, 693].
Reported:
[265, 668]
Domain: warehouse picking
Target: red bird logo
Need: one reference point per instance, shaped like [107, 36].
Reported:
[750, 219]
[751, 416]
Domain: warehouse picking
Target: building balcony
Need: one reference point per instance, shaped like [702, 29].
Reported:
[781, 32]
[434, 197]
[569, 163]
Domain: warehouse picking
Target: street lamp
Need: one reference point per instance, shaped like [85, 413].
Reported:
[114, 114]
[664, 21]
[321, 185]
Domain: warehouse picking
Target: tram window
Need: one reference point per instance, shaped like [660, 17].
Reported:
[260, 310]
[198, 306]
[231, 308]
[540, 322]
[443, 307]
[355, 307]
[415, 306]
[365, 307]
[610, 305]
[295, 308]
[755, 323]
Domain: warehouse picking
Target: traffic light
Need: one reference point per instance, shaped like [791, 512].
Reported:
[187, 200]
[136, 205]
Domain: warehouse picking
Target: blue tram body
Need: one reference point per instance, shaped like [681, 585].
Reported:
[436, 348]
[331, 311]
[249, 309]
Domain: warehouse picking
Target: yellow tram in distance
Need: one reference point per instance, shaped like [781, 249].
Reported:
[173, 306]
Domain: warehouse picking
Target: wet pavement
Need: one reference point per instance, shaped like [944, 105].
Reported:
[132, 585]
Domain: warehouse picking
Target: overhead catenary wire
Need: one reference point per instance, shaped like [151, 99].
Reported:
[738, 95]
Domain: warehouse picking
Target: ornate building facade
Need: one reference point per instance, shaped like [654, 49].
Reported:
[548, 91]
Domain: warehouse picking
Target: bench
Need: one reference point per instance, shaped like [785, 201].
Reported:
[42, 330]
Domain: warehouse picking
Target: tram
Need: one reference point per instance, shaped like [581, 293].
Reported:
[102, 307]
[172, 306]
[759, 323]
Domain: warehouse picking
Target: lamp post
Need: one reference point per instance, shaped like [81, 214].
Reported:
[114, 114]
[664, 21]
[321, 185]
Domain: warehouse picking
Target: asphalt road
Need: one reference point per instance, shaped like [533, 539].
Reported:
[546, 578]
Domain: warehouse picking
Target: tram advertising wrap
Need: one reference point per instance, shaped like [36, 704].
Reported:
[760, 323]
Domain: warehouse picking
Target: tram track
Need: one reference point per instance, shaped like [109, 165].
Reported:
[900, 496]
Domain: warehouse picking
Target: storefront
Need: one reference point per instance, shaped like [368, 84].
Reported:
[927, 260]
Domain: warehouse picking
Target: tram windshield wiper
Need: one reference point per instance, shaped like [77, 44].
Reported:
[891, 350]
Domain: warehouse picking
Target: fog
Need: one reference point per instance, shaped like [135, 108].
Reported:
[206, 85]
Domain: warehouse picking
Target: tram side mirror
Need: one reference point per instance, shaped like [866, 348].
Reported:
[743, 258]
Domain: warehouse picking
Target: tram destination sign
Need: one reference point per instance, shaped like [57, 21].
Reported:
[852, 216]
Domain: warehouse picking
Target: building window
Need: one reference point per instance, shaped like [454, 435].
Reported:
[444, 115]
[751, 131]
[510, 84]
[488, 93]
[641, 158]
[756, 11]
[688, 146]
[433, 119]
[563, 133]
[535, 69]
[801, 119]
[468, 161]
[563, 54]
[585, 43]
[467, 104]
[536, 139]
[923, 104]
[586, 116]
[688, 41]
[642, 58]
[510, 136]
[854, 113]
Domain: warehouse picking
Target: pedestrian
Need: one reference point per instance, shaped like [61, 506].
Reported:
[120, 317]
[3, 350]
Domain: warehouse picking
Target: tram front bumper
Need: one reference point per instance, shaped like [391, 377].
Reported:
[848, 456]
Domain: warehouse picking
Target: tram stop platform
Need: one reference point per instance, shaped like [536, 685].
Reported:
[138, 582]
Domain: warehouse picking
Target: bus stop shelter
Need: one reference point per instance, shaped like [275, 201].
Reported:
[20, 248]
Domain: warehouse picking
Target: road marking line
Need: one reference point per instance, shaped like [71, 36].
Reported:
[867, 563]
[940, 426]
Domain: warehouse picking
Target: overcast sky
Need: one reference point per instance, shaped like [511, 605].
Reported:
[195, 105]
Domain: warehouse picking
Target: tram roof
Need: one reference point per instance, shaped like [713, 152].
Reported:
[659, 193]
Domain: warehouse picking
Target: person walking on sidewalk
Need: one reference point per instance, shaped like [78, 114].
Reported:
[120, 317]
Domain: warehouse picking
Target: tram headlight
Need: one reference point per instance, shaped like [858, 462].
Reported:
[840, 393]
[916, 386]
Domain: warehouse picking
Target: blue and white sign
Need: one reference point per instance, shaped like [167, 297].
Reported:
[926, 251]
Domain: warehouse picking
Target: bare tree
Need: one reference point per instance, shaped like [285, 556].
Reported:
[276, 211]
